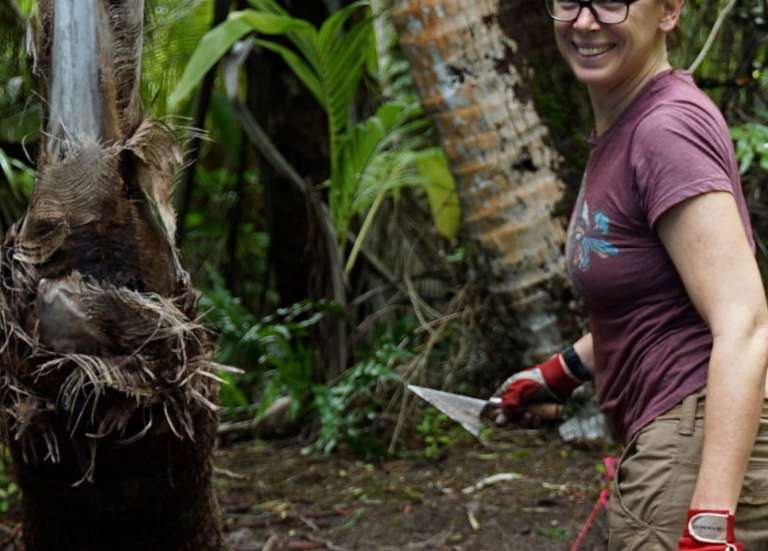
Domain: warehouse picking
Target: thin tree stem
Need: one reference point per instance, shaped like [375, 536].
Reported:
[712, 35]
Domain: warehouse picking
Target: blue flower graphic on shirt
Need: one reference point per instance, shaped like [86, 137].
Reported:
[588, 236]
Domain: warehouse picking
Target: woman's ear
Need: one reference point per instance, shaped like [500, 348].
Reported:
[671, 10]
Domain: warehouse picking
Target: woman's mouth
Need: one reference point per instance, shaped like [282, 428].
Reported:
[590, 50]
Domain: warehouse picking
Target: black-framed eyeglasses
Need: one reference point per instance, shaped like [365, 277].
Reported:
[607, 12]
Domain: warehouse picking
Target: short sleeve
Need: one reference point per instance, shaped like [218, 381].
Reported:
[679, 151]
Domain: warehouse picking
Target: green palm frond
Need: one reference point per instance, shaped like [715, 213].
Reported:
[375, 156]
[334, 59]
[173, 30]
[379, 156]
[329, 61]
[369, 159]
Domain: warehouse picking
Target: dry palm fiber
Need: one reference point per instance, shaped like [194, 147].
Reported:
[112, 344]
[107, 387]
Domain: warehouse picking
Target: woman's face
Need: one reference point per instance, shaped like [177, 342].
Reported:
[603, 56]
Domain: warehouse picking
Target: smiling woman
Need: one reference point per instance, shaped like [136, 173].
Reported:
[610, 49]
[660, 246]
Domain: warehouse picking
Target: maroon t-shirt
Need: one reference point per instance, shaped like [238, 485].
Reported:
[651, 346]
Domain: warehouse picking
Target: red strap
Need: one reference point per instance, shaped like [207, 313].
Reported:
[611, 465]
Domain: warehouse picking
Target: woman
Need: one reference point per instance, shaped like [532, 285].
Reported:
[660, 246]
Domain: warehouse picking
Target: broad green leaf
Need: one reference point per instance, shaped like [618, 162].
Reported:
[441, 191]
[268, 5]
[378, 154]
[270, 23]
[302, 39]
[212, 47]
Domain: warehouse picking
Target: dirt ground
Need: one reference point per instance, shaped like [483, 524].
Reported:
[275, 498]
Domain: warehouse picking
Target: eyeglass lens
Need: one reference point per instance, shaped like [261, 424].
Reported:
[606, 11]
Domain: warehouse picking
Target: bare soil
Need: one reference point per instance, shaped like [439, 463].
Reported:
[275, 498]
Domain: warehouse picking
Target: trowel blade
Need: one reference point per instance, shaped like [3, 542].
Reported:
[462, 409]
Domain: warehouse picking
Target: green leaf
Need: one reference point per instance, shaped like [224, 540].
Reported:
[329, 32]
[303, 39]
[212, 47]
[441, 191]
[338, 58]
[270, 23]
[377, 156]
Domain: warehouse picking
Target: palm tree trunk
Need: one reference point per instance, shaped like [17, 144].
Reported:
[107, 387]
[473, 84]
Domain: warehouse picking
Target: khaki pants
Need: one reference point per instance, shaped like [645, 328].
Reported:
[656, 478]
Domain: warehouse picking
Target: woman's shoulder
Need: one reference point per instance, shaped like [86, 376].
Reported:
[678, 100]
[681, 109]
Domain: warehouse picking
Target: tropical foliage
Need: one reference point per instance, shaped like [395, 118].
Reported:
[368, 159]
[389, 195]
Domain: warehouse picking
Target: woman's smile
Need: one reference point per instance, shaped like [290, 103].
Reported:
[613, 57]
[592, 50]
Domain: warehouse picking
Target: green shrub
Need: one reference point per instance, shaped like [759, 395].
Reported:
[437, 432]
[348, 409]
[751, 145]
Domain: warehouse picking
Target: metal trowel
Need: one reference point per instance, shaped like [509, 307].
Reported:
[463, 409]
[586, 423]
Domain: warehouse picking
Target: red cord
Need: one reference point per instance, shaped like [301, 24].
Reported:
[610, 464]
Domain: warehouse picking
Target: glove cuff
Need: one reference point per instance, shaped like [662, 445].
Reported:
[575, 366]
[557, 378]
[710, 526]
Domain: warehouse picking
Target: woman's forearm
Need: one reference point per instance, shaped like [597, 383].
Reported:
[584, 349]
[735, 394]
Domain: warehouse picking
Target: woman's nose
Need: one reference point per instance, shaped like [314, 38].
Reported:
[586, 21]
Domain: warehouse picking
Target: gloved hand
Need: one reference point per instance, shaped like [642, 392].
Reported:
[548, 381]
[709, 530]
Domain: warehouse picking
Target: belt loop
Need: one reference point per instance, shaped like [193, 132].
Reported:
[687, 422]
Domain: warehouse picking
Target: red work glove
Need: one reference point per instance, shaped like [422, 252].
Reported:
[709, 530]
[549, 380]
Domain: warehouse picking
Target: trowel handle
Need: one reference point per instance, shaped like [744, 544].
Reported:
[547, 411]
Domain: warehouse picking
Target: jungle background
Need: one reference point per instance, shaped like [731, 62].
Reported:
[339, 256]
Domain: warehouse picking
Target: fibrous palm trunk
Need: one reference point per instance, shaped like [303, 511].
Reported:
[473, 83]
[107, 390]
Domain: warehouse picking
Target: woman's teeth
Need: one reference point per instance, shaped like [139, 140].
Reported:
[592, 51]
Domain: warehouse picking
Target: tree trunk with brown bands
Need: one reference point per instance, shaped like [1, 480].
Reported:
[472, 81]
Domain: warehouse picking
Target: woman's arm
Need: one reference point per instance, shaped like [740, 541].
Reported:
[585, 350]
[705, 238]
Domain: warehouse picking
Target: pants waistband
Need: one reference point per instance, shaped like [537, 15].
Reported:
[686, 413]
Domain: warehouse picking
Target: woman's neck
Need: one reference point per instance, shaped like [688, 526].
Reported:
[608, 104]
